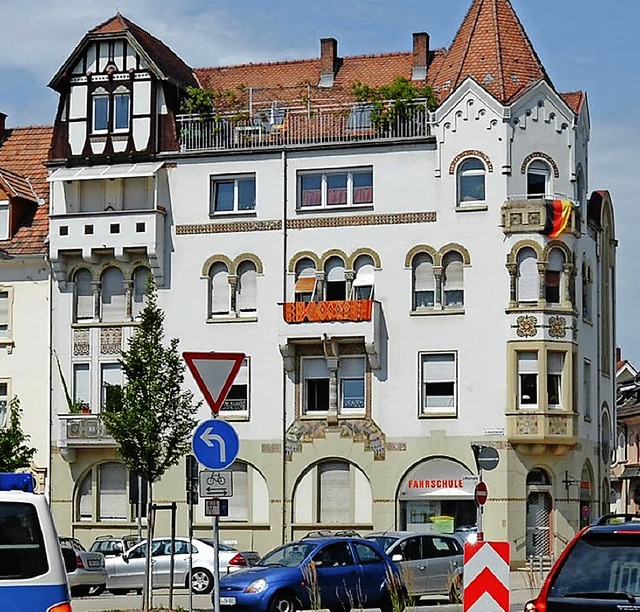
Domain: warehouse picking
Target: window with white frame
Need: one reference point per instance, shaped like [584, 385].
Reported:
[305, 286]
[335, 283]
[5, 314]
[424, 284]
[219, 290]
[82, 384]
[236, 403]
[555, 366]
[471, 182]
[247, 287]
[527, 379]
[586, 389]
[110, 374]
[100, 110]
[538, 179]
[351, 374]
[233, 193]
[439, 378]
[452, 280]
[553, 277]
[113, 297]
[102, 495]
[528, 284]
[121, 113]
[362, 286]
[315, 377]
[335, 188]
[111, 112]
[83, 295]
[4, 403]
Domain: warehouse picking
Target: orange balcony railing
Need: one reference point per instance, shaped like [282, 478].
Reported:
[317, 312]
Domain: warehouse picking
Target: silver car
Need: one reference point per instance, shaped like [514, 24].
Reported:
[90, 575]
[430, 563]
[126, 572]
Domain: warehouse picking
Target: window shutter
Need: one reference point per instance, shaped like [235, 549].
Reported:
[113, 491]
[140, 277]
[113, 295]
[238, 503]
[528, 279]
[439, 368]
[556, 260]
[82, 383]
[335, 270]
[364, 278]
[315, 368]
[555, 361]
[335, 492]
[528, 362]
[220, 290]
[84, 295]
[424, 280]
[453, 273]
[247, 287]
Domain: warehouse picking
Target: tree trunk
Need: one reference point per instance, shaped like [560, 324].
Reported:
[147, 591]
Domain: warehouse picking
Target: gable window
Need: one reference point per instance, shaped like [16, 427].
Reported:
[233, 194]
[236, 404]
[538, 179]
[352, 384]
[100, 112]
[335, 284]
[121, 111]
[439, 384]
[471, 181]
[315, 376]
[423, 281]
[453, 280]
[527, 379]
[4, 403]
[5, 314]
[362, 286]
[335, 188]
[219, 290]
[528, 278]
[553, 277]
[555, 363]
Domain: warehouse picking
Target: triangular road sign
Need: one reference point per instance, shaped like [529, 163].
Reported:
[214, 373]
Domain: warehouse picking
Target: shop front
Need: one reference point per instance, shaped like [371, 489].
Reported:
[437, 495]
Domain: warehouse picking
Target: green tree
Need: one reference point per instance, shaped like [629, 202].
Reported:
[151, 416]
[14, 452]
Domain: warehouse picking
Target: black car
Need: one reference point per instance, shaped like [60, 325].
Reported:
[599, 570]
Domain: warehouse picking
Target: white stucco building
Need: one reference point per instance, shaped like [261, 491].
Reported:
[405, 287]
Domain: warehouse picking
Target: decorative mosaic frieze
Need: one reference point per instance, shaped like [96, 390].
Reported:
[527, 425]
[110, 340]
[81, 342]
[558, 426]
[557, 327]
[527, 326]
[235, 227]
[275, 448]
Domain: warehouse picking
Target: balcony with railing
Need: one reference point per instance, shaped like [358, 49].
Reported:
[522, 214]
[77, 430]
[309, 125]
[542, 432]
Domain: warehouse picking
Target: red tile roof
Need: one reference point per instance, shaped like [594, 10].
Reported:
[17, 186]
[23, 153]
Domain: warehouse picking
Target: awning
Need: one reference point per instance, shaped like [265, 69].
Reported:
[364, 278]
[106, 172]
[631, 471]
[305, 284]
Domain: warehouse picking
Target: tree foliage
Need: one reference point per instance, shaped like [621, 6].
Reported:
[151, 416]
[14, 451]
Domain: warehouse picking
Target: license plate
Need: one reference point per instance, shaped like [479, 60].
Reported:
[227, 601]
[94, 562]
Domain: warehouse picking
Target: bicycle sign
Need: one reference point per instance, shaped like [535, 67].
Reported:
[216, 484]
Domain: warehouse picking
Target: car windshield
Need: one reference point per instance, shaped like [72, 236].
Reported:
[383, 541]
[290, 555]
[600, 563]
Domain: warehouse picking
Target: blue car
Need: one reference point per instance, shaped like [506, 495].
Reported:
[338, 573]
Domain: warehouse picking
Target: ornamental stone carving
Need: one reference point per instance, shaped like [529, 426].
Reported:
[557, 327]
[527, 326]
[110, 340]
[81, 342]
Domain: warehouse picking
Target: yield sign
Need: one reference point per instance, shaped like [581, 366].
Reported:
[214, 373]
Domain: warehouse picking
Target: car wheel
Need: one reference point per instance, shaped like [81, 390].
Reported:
[455, 592]
[389, 605]
[79, 591]
[97, 590]
[284, 602]
[201, 581]
[119, 591]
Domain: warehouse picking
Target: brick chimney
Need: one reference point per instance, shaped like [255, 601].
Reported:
[420, 56]
[2, 120]
[328, 61]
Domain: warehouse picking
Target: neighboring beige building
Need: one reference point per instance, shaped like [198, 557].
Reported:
[403, 288]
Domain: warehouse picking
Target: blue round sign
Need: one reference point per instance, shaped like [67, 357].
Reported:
[215, 444]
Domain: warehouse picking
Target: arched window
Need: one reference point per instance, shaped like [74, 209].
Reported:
[102, 495]
[587, 291]
[335, 285]
[363, 281]
[528, 279]
[219, 291]
[453, 280]
[247, 295]
[539, 477]
[538, 179]
[605, 428]
[424, 284]
[471, 181]
[113, 296]
[553, 277]
[305, 280]
[84, 308]
[139, 298]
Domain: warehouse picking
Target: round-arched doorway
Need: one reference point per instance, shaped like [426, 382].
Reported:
[538, 513]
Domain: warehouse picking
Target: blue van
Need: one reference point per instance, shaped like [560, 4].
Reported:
[33, 572]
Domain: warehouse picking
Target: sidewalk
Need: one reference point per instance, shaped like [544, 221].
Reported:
[523, 586]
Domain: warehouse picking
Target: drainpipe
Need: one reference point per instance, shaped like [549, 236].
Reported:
[283, 475]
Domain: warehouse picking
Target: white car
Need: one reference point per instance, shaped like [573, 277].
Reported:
[89, 576]
[126, 572]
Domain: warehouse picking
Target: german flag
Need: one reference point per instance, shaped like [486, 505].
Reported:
[558, 215]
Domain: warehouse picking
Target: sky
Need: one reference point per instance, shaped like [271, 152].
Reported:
[584, 45]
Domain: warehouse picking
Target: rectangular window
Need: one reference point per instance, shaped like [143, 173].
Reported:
[315, 374]
[555, 364]
[5, 315]
[439, 383]
[82, 384]
[4, 403]
[352, 384]
[110, 374]
[335, 188]
[121, 111]
[528, 379]
[100, 113]
[233, 194]
[587, 389]
[236, 403]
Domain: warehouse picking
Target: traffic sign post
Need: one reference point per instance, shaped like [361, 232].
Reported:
[481, 493]
[215, 444]
[214, 373]
[216, 484]
[216, 507]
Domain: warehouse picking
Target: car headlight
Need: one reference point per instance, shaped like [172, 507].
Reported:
[257, 586]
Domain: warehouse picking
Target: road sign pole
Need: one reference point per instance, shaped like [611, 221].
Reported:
[216, 565]
[479, 510]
